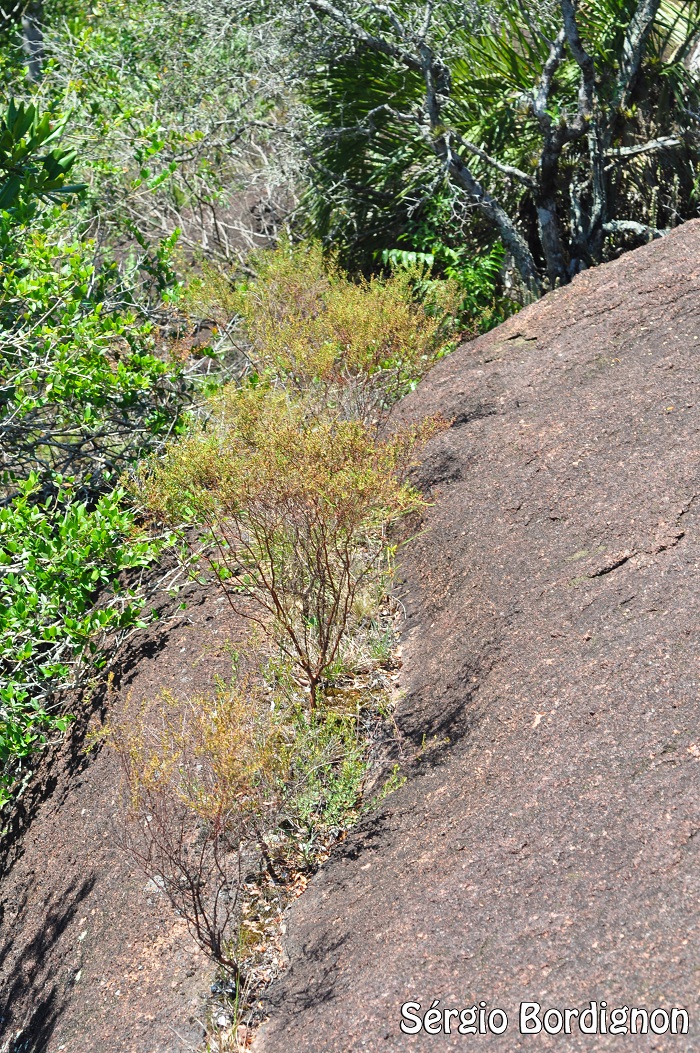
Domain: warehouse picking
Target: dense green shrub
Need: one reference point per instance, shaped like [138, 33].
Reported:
[82, 391]
[476, 276]
[28, 174]
[62, 593]
[168, 113]
[82, 394]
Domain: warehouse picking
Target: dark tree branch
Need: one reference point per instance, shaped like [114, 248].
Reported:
[589, 118]
[382, 9]
[513, 241]
[554, 139]
[424, 29]
[587, 90]
[33, 38]
[633, 49]
[540, 98]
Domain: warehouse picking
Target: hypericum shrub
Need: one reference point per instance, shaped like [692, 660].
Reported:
[297, 503]
[204, 778]
[358, 345]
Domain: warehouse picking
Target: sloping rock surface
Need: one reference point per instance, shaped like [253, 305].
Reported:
[545, 846]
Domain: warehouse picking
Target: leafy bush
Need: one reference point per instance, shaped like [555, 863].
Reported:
[217, 785]
[297, 503]
[295, 478]
[169, 108]
[57, 556]
[82, 391]
[328, 767]
[354, 346]
[23, 132]
[477, 277]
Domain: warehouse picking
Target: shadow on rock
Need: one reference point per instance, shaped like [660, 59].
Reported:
[31, 977]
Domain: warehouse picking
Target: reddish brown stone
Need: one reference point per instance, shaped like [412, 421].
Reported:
[545, 847]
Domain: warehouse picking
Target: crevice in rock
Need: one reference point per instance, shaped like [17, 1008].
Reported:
[615, 565]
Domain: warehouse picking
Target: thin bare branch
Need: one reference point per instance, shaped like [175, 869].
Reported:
[587, 91]
[664, 142]
[630, 226]
[507, 170]
[361, 34]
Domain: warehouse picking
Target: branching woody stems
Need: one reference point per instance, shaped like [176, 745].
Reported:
[302, 587]
[297, 502]
[199, 875]
[664, 142]
[203, 782]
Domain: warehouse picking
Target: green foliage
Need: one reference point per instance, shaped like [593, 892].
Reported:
[27, 173]
[140, 99]
[57, 556]
[161, 96]
[328, 767]
[477, 277]
[82, 391]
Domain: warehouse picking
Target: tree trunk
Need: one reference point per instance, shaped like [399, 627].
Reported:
[551, 243]
[546, 204]
[513, 241]
[313, 695]
[33, 38]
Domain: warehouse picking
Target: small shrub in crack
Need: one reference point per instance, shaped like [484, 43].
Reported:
[297, 503]
[204, 779]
